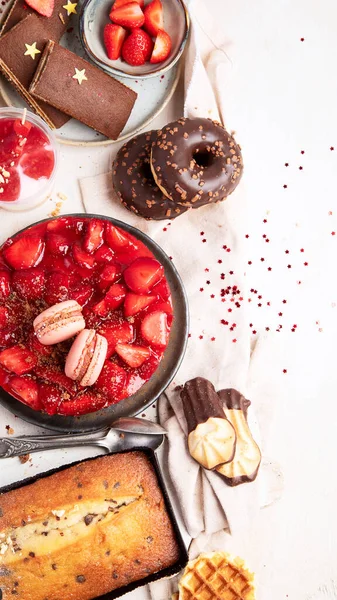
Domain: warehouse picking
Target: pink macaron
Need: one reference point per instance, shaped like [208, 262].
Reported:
[59, 322]
[86, 357]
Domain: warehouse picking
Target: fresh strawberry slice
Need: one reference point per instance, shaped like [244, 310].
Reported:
[117, 334]
[113, 36]
[40, 349]
[111, 382]
[134, 356]
[5, 287]
[27, 390]
[119, 3]
[137, 48]
[162, 306]
[10, 188]
[18, 360]
[115, 296]
[36, 139]
[134, 383]
[134, 303]
[162, 290]
[29, 283]
[93, 238]
[116, 238]
[3, 377]
[83, 258]
[129, 15]
[50, 375]
[143, 274]
[149, 367]
[104, 254]
[22, 129]
[59, 225]
[162, 47]
[154, 19]
[57, 244]
[82, 293]
[43, 7]
[38, 164]
[26, 252]
[7, 338]
[154, 329]
[50, 398]
[82, 404]
[57, 288]
[109, 274]
[101, 308]
[4, 317]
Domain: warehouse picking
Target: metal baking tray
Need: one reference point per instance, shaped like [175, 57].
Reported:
[164, 573]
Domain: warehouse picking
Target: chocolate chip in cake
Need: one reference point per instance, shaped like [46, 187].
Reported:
[149, 539]
[54, 567]
[105, 484]
[108, 552]
[80, 497]
[79, 485]
[80, 579]
[45, 523]
[32, 554]
[88, 519]
[16, 583]
[4, 572]
[117, 484]
[137, 561]
[115, 575]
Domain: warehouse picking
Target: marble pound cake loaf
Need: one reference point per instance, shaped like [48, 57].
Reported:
[84, 531]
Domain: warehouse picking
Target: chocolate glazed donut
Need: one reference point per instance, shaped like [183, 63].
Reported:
[134, 183]
[196, 161]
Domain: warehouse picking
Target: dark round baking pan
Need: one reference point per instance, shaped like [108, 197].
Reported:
[159, 381]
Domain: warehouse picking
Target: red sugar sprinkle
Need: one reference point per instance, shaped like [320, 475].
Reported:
[285, 186]
[259, 297]
[207, 270]
[267, 241]
[224, 247]
[284, 301]
[234, 341]
[259, 305]
[229, 310]
[302, 39]
[222, 276]
[330, 213]
[286, 251]
[254, 332]
[208, 282]
[202, 232]
[249, 262]
[267, 329]
[331, 148]
[201, 337]
[302, 250]
[306, 264]
[300, 168]
[247, 236]
[212, 339]
[268, 303]
[232, 273]
[299, 282]
[280, 314]
[212, 296]
[223, 322]
[333, 233]
[164, 228]
[302, 151]
[269, 268]
[261, 259]
[201, 289]
[286, 164]
[219, 261]
[284, 370]
[204, 240]
[264, 235]
[228, 250]
[250, 324]
[289, 266]
[264, 221]
[189, 335]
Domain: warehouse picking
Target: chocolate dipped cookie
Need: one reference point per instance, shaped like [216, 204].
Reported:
[134, 182]
[246, 462]
[196, 162]
[211, 437]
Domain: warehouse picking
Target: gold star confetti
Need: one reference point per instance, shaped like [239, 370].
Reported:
[70, 7]
[31, 50]
[80, 76]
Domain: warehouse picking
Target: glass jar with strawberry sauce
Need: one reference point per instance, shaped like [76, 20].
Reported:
[28, 160]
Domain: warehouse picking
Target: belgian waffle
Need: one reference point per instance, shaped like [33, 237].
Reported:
[217, 576]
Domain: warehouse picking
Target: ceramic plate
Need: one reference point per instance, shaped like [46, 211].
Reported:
[153, 388]
[153, 96]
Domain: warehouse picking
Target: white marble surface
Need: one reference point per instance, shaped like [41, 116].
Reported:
[282, 98]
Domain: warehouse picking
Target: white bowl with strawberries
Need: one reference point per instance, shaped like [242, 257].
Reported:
[136, 39]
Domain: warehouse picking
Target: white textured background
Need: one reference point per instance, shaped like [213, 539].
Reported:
[282, 101]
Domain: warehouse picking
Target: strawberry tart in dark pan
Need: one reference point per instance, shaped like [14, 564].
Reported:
[120, 288]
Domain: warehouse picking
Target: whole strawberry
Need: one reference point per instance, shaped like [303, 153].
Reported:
[137, 48]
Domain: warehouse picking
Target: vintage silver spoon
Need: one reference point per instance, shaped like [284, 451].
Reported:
[122, 434]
